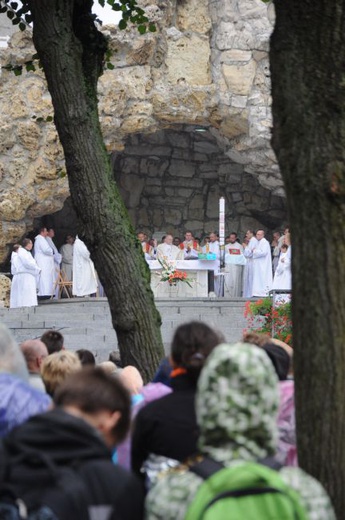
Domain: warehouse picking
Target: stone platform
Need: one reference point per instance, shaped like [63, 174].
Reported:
[86, 322]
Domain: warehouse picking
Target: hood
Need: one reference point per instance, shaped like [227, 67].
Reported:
[237, 404]
[59, 435]
[18, 402]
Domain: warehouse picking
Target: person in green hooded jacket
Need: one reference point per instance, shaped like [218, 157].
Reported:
[236, 406]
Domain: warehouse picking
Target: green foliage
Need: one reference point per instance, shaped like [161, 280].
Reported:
[276, 321]
[27, 65]
[130, 11]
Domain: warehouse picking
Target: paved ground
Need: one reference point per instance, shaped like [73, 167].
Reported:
[86, 323]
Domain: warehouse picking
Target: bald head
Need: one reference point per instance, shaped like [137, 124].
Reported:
[35, 352]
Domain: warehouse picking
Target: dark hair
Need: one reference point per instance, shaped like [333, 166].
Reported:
[26, 241]
[86, 357]
[53, 340]
[234, 233]
[92, 390]
[191, 344]
[280, 359]
[42, 228]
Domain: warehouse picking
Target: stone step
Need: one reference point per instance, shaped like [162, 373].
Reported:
[86, 323]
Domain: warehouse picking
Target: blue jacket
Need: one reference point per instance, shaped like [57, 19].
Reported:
[18, 402]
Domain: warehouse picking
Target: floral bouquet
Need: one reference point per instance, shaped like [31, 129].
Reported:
[171, 275]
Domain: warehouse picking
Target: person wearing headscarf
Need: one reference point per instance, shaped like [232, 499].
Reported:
[165, 431]
[236, 406]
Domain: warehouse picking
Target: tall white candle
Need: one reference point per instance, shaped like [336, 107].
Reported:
[221, 221]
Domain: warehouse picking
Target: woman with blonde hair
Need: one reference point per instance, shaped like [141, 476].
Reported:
[56, 367]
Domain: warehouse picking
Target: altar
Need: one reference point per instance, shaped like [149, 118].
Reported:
[197, 271]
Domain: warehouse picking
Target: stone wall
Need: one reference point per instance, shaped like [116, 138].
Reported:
[172, 181]
[206, 65]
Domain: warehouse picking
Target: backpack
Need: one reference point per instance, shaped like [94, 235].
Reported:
[40, 490]
[250, 491]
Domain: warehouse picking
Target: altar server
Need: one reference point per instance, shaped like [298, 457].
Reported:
[66, 252]
[57, 259]
[234, 262]
[84, 275]
[44, 256]
[24, 282]
[262, 266]
[248, 249]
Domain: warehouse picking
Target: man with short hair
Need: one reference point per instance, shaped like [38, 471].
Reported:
[262, 266]
[34, 351]
[44, 256]
[148, 250]
[91, 417]
[234, 262]
[167, 250]
[190, 246]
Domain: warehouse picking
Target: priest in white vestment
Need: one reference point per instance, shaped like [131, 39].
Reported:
[24, 282]
[84, 275]
[282, 276]
[248, 268]
[234, 262]
[167, 250]
[66, 252]
[262, 266]
[57, 260]
[44, 256]
[213, 247]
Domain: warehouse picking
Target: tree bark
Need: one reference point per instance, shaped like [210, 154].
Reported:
[307, 59]
[71, 50]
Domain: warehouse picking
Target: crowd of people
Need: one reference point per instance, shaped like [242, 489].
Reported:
[252, 267]
[81, 440]
[248, 267]
[40, 275]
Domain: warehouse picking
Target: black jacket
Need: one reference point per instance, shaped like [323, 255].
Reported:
[167, 426]
[70, 442]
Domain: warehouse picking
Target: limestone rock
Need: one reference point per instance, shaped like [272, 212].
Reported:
[164, 86]
[5, 291]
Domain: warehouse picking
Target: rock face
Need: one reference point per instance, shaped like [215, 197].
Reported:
[5, 291]
[206, 66]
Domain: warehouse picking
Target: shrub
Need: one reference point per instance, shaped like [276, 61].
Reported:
[264, 318]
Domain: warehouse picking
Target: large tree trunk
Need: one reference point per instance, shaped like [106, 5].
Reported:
[308, 86]
[71, 51]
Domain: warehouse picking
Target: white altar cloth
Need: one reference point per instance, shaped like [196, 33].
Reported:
[197, 273]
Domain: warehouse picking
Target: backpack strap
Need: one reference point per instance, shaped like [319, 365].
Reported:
[270, 462]
[206, 467]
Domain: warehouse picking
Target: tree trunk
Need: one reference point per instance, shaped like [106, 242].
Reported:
[71, 50]
[308, 86]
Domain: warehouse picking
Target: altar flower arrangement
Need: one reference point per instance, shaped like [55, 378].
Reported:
[172, 275]
[263, 317]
